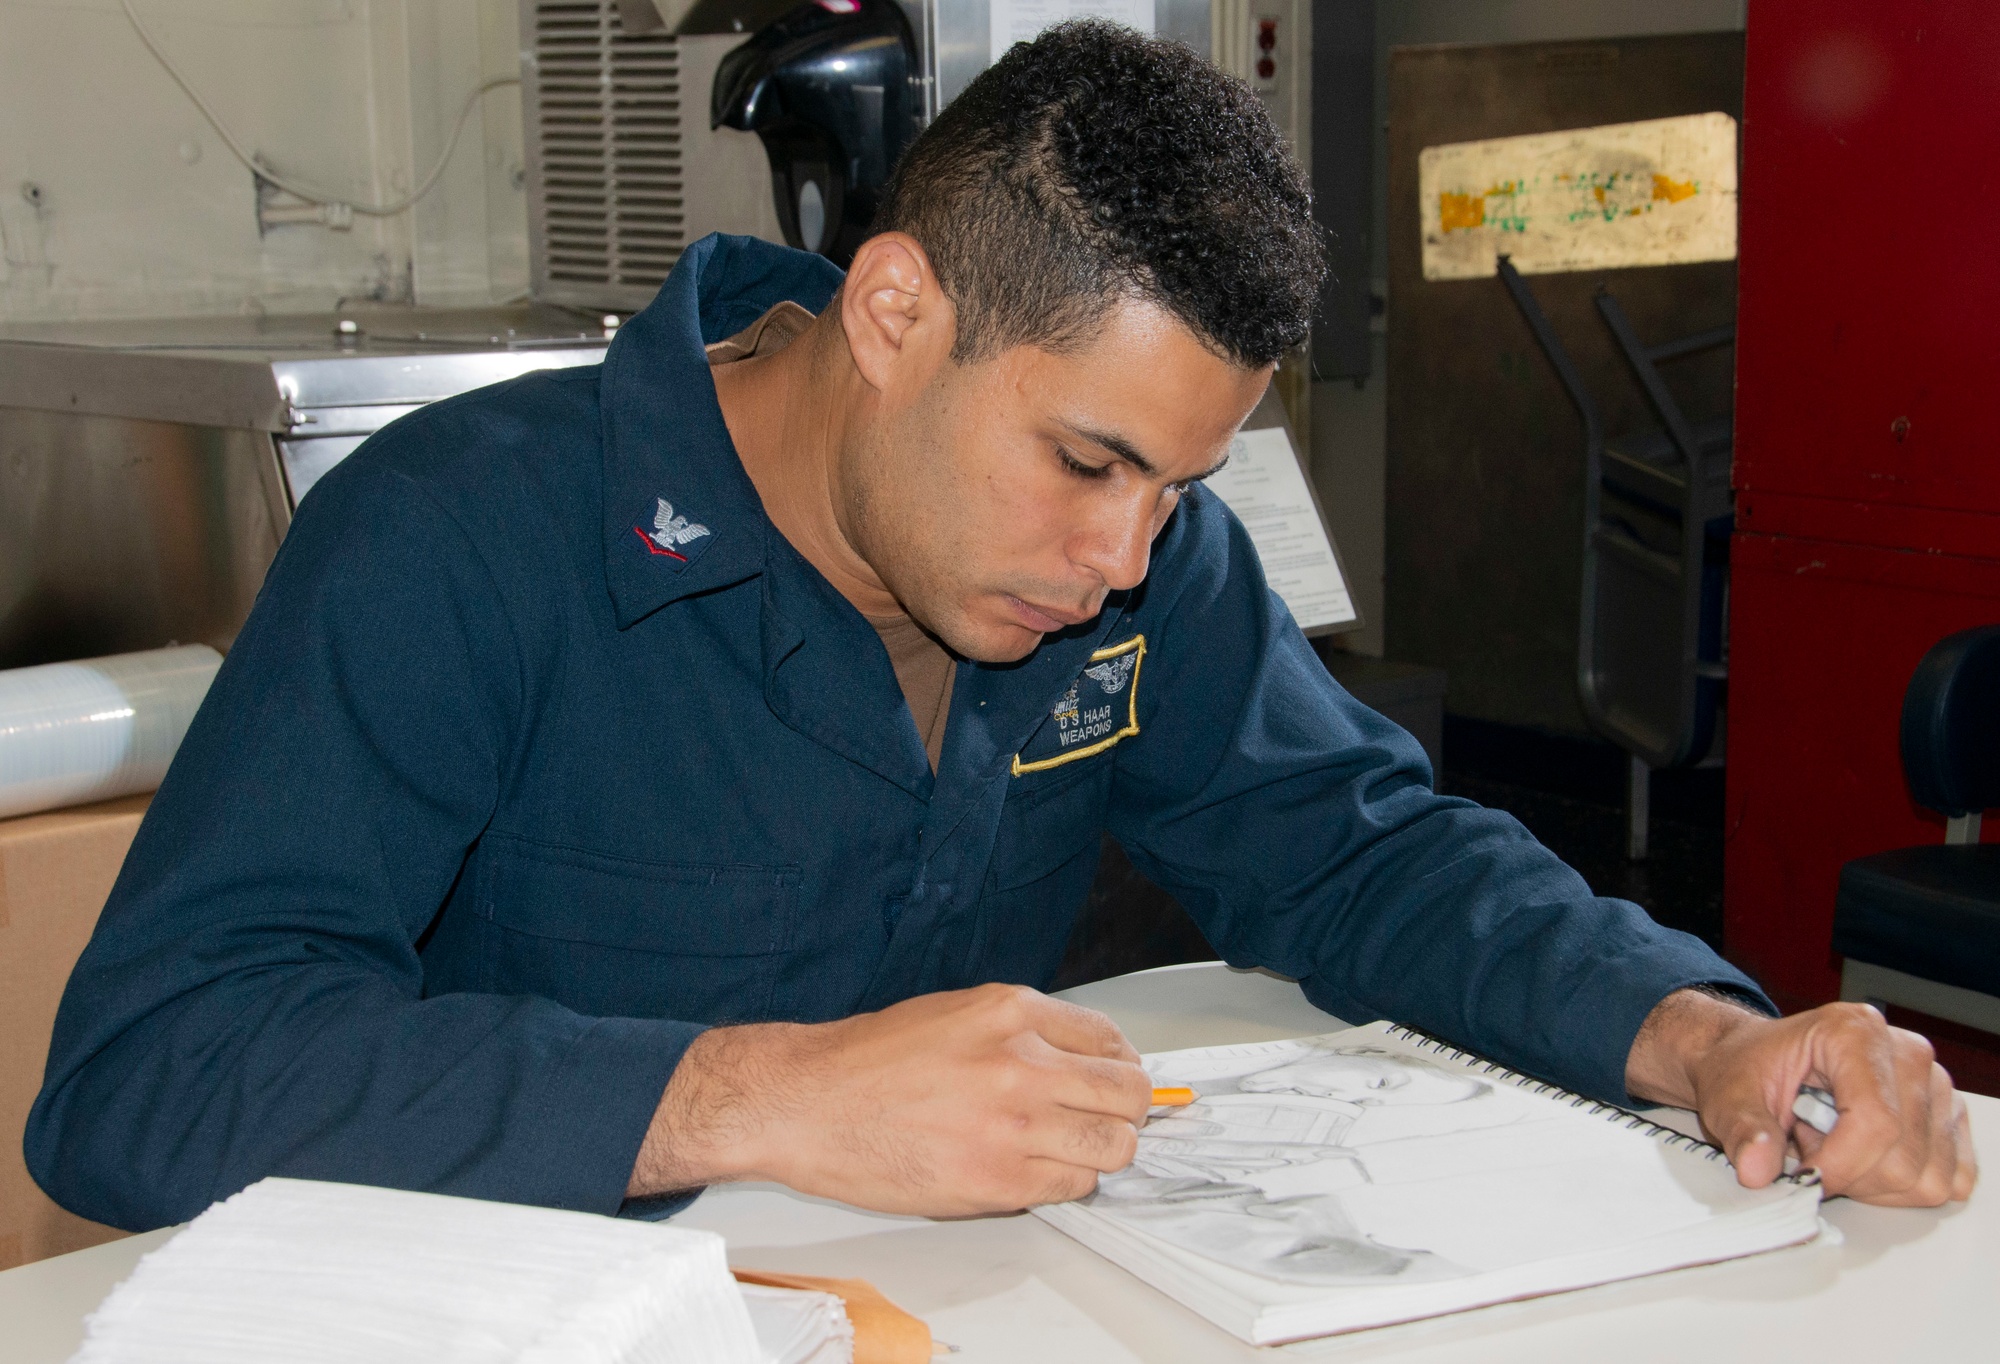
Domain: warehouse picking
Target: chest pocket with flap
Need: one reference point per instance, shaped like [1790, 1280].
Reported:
[1044, 826]
[619, 936]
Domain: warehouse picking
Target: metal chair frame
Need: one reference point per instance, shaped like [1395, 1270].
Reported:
[1697, 494]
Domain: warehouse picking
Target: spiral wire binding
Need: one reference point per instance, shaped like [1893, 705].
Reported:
[1666, 1136]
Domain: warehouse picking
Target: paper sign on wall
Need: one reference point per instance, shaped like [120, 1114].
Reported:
[1661, 192]
[1017, 21]
[1264, 485]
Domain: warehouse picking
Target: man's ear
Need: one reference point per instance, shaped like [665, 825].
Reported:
[898, 322]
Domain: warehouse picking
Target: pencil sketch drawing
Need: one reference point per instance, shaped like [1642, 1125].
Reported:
[1271, 1169]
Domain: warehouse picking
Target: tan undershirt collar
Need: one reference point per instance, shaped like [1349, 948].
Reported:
[924, 669]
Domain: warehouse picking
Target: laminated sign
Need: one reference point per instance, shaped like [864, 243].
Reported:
[1661, 192]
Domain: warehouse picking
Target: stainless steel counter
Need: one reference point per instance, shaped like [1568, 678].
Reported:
[148, 469]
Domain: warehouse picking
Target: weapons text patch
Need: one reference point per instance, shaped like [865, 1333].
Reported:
[1100, 708]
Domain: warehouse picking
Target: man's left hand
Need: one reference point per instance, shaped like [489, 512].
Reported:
[1903, 1137]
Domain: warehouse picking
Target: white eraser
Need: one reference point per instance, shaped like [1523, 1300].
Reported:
[1814, 1107]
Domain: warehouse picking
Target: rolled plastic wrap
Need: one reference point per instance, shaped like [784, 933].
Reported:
[96, 728]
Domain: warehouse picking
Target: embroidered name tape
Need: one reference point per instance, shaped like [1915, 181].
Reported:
[672, 534]
[1100, 708]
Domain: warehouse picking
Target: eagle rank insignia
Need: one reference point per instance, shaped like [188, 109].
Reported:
[670, 532]
[1100, 708]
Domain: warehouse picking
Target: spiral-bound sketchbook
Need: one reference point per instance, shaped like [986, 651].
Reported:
[1335, 1183]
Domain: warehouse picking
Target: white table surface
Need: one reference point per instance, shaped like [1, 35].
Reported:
[1899, 1284]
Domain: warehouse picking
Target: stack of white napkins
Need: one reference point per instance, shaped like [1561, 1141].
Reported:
[301, 1271]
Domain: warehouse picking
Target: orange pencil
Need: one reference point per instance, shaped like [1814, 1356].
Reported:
[1175, 1096]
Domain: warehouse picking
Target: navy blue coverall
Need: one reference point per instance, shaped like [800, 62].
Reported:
[501, 796]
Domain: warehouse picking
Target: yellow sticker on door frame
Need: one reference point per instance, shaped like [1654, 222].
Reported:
[1658, 192]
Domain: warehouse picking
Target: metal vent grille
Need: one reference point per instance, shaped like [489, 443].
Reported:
[607, 210]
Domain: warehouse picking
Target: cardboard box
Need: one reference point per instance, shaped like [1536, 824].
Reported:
[56, 870]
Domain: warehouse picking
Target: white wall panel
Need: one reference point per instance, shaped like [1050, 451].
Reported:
[142, 209]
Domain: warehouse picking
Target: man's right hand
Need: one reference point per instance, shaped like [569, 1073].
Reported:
[971, 1101]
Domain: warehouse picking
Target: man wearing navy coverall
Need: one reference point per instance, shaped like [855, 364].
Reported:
[681, 770]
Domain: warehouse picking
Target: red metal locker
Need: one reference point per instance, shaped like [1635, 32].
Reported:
[1867, 438]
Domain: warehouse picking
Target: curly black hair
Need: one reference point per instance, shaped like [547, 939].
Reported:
[1095, 163]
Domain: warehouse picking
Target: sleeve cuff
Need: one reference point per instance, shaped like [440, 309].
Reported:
[660, 1207]
[597, 1107]
[1640, 980]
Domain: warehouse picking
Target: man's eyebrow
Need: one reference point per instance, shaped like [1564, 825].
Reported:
[1119, 446]
[1125, 450]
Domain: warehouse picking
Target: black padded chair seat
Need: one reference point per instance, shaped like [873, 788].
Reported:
[1932, 912]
